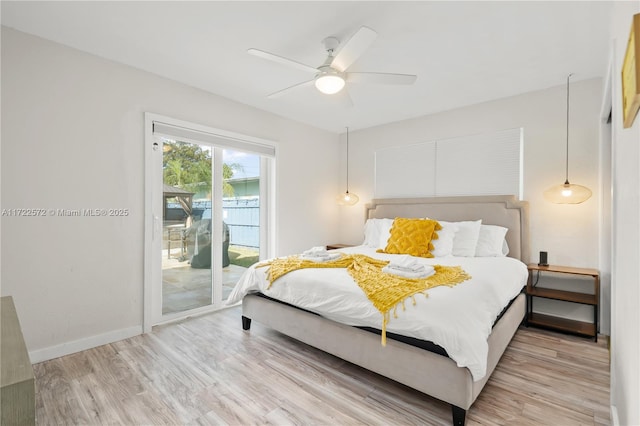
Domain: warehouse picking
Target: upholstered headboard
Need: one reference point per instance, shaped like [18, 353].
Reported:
[500, 210]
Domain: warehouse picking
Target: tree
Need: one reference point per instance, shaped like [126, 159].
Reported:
[188, 166]
[227, 173]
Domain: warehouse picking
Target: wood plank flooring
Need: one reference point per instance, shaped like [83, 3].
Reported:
[206, 371]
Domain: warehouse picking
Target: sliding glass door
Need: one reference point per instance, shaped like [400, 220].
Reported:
[187, 182]
[241, 210]
[207, 213]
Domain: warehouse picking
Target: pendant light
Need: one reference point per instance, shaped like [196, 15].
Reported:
[567, 193]
[347, 198]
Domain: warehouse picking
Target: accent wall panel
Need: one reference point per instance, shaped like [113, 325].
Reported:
[486, 164]
[406, 171]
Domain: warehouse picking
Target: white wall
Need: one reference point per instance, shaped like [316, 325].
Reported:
[72, 137]
[625, 297]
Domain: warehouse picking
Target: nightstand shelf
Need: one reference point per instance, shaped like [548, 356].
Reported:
[567, 296]
[563, 324]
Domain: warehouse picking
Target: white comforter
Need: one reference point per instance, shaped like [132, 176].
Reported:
[457, 318]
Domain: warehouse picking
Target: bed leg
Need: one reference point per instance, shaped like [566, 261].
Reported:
[459, 415]
[246, 323]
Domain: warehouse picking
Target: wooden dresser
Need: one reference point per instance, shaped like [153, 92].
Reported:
[17, 383]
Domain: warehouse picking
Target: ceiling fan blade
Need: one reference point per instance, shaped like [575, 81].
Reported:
[344, 98]
[290, 88]
[281, 60]
[380, 78]
[353, 48]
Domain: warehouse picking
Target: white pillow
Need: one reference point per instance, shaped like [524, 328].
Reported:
[491, 241]
[385, 232]
[466, 238]
[371, 233]
[377, 232]
[443, 246]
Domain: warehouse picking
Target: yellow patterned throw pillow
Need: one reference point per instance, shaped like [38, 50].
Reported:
[412, 236]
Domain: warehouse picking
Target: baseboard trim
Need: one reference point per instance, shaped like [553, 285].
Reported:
[615, 421]
[51, 352]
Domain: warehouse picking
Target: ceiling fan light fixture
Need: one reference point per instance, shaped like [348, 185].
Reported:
[330, 83]
[332, 76]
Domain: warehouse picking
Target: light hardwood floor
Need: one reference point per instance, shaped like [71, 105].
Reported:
[206, 370]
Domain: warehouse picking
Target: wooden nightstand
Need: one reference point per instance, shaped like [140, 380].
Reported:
[557, 323]
[337, 246]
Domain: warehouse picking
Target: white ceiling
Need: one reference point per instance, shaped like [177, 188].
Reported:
[463, 52]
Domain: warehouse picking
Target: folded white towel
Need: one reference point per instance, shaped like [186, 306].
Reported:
[320, 258]
[315, 256]
[405, 263]
[423, 272]
[316, 251]
[415, 268]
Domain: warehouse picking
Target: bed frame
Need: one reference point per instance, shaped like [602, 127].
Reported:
[425, 371]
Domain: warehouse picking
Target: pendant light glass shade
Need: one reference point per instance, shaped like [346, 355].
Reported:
[567, 193]
[347, 198]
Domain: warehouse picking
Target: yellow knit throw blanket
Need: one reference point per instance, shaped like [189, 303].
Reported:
[384, 290]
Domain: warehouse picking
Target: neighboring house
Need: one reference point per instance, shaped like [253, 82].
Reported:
[245, 187]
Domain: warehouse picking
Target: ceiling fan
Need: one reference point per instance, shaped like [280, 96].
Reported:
[331, 77]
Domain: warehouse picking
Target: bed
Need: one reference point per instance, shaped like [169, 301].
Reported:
[430, 371]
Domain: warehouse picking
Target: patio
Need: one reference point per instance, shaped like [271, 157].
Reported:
[184, 287]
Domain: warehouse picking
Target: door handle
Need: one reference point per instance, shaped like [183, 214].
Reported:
[156, 226]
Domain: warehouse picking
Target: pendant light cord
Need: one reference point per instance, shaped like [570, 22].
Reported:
[567, 159]
[347, 160]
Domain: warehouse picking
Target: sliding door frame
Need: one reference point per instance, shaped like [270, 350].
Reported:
[152, 275]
